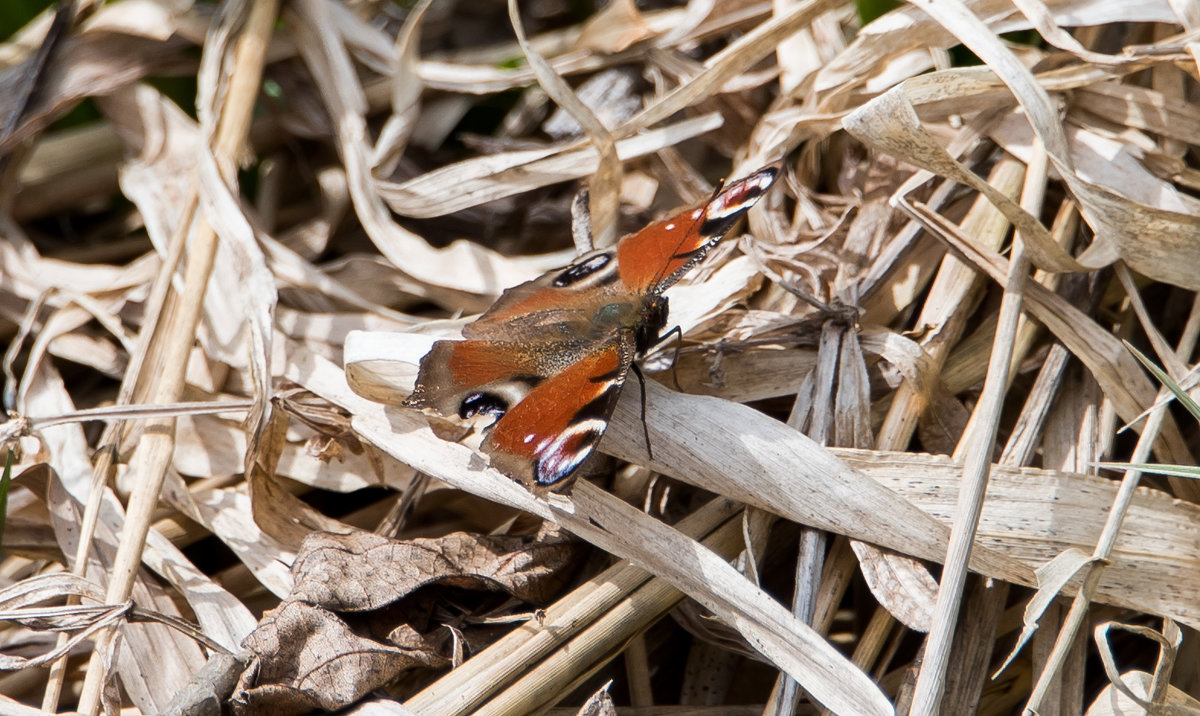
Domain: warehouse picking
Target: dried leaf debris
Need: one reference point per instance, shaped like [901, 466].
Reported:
[304, 655]
[231, 231]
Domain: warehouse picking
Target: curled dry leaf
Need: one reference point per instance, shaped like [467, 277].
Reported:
[362, 571]
[306, 657]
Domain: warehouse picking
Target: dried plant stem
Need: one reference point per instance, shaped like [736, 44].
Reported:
[980, 440]
[155, 449]
[105, 458]
[943, 313]
[1094, 568]
[464, 688]
[133, 412]
[566, 667]
[970, 498]
[985, 602]
[637, 671]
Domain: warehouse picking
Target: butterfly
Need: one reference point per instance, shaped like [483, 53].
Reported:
[550, 356]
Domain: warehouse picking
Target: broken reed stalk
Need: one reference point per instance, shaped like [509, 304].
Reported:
[476, 680]
[977, 446]
[165, 384]
[566, 668]
[1094, 568]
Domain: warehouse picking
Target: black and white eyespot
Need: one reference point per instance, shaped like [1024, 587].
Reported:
[567, 451]
[481, 403]
[584, 268]
[497, 397]
[735, 200]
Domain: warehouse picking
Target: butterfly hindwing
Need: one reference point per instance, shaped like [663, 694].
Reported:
[542, 439]
[478, 376]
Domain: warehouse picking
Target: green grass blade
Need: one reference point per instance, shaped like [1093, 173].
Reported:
[1160, 374]
[5, 479]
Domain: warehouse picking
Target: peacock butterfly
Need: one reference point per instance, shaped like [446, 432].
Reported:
[550, 356]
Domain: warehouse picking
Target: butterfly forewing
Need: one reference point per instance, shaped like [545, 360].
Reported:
[566, 300]
[656, 257]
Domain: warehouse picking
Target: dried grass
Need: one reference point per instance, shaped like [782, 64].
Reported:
[874, 479]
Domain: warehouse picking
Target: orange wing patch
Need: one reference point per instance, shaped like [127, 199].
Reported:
[543, 438]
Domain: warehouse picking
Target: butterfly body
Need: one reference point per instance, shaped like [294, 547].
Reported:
[550, 356]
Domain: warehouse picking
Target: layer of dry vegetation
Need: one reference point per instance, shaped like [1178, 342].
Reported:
[216, 292]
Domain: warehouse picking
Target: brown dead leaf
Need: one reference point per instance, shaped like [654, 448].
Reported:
[306, 657]
[363, 571]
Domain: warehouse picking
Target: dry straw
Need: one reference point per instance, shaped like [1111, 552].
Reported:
[874, 485]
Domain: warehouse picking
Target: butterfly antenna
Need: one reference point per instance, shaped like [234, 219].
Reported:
[683, 237]
[645, 427]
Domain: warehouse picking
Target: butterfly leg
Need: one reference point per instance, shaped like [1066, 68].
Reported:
[677, 332]
[637, 371]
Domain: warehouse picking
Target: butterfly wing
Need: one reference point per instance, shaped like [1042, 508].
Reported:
[475, 376]
[546, 436]
[553, 399]
[533, 331]
[558, 305]
[550, 356]
[656, 257]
